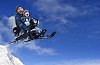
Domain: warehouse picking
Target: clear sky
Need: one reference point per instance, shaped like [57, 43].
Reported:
[77, 23]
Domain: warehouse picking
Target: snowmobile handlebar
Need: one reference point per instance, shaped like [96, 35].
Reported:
[34, 22]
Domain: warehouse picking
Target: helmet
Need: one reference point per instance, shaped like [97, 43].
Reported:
[25, 11]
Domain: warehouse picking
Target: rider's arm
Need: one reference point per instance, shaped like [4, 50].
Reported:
[20, 24]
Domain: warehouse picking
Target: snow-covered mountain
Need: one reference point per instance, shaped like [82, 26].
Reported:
[6, 58]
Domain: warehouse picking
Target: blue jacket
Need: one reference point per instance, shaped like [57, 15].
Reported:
[19, 22]
[26, 21]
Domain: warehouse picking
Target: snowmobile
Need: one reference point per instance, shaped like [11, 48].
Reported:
[29, 35]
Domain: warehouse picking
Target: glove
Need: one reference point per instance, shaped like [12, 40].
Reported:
[27, 23]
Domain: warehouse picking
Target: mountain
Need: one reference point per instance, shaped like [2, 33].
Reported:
[6, 58]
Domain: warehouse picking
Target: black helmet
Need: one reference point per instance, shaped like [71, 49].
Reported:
[18, 7]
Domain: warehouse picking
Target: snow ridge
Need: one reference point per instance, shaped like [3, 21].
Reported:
[6, 58]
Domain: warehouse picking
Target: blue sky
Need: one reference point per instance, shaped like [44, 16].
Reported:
[77, 23]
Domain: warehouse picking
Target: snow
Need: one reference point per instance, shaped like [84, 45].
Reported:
[6, 58]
